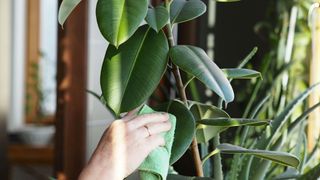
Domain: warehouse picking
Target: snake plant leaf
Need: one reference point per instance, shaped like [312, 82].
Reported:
[183, 10]
[66, 7]
[226, 1]
[124, 70]
[204, 132]
[282, 158]
[119, 19]
[290, 173]
[157, 17]
[195, 61]
[238, 73]
[283, 117]
[185, 129]
[313, 173]
[180, 177]
[245, 60]
[233, 122]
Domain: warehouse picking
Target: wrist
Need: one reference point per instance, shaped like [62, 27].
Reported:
[100, 167]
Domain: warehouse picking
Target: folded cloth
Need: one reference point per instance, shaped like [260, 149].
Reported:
[156, 165]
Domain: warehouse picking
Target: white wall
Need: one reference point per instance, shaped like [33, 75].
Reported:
[5, 45]
[48, 60]
[16, 117]
[98, 116]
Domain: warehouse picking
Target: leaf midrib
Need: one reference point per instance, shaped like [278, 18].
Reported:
[218, 87]
[122, 9]
[133, 65]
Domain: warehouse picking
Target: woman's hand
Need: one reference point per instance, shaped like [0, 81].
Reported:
[125, 144]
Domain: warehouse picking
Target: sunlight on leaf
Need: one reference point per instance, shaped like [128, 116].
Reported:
[66, 7]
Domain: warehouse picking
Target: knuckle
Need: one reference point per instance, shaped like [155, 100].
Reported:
[118, 124]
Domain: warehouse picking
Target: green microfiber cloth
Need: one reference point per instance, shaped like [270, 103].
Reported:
[156, 165]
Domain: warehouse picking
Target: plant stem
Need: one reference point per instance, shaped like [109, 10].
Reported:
[182, 93]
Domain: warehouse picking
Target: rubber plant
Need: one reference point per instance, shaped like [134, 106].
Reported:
[138, 55]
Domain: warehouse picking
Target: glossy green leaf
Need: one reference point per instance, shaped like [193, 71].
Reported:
[204, 133]
[237, 73]
[277, 157]
[196, 62]
[204, 111]
[119, 19]
[185, 129]
[182, 10]
[233, 122]
[66, 7]
[180, 177]
[124, 70]
[157, 17]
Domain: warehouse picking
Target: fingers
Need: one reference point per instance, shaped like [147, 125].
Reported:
[145, 119]
[153, 142]
[151, 129]
[156, 128]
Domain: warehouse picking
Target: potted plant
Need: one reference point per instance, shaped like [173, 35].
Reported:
[136, 59]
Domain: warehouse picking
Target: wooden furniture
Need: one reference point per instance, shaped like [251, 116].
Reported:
[19, 154]
[26, 156]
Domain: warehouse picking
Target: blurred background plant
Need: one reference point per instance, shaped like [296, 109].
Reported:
[285, 71]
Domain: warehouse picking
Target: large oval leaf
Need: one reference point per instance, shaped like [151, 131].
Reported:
[130, 74]
[157, 17]
[119, 19]
[196, 62]
[185, 129]
[182, 10]
[65, 9]
[204, 133]
[233, 122]
[275, 156]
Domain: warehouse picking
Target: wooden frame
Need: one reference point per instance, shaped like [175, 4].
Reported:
[70, 140]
